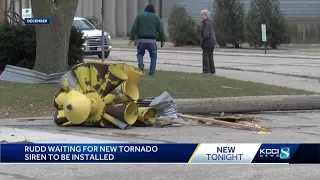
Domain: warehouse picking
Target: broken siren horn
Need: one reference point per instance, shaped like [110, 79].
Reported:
[147, 115]
[125, 92]
[126, 112]
[112, 79]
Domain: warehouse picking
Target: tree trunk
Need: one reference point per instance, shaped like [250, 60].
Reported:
[248, 104]
[53, 39]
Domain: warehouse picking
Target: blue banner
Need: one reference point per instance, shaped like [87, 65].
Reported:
[288, 153]
[96, 153]
[161, 153]
[37, 20]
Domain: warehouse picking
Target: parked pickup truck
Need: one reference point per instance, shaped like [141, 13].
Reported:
[92, 35]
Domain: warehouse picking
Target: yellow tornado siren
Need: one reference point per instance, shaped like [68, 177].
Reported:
[101, 94]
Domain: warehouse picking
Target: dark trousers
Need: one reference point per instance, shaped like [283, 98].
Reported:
[207, 60]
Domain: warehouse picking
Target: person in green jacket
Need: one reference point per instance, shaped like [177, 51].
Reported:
[146, 29]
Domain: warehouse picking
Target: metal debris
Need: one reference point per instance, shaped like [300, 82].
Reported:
[24, 75]
[164, 105]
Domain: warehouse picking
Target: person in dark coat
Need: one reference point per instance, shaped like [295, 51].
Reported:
[147, 28]
[207, 42]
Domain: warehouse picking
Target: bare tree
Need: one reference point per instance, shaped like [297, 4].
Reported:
[53, 39]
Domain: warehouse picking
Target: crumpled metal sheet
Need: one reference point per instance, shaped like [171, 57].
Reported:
[23, 75]
[164, 105]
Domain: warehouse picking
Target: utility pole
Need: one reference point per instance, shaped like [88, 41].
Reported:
[102, 29]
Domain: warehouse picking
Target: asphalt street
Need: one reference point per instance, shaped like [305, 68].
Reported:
[297, 127]
[271, 63]
[287, 127]
[281, 70]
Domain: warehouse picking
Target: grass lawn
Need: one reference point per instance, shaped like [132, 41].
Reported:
[18, 100]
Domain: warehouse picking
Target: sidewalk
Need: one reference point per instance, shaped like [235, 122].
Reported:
[228, 53]
[18, 135]
[290, 50]
[258, 77]
[192, 63]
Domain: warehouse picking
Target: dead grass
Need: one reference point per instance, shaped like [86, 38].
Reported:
[30, 100]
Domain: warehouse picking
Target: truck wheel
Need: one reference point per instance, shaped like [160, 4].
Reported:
[106, 55]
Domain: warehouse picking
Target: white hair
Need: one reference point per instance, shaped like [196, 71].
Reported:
[205, 12]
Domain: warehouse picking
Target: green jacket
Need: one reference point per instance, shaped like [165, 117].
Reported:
[149, 25]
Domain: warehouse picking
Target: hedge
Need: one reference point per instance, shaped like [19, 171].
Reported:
[18, 46]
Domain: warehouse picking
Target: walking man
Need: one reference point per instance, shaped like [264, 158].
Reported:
[147, 28]
[208, 41]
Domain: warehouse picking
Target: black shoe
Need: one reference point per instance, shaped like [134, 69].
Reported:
[151, 75]
[141, 67]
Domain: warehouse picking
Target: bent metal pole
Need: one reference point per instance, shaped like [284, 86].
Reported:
[102, 32]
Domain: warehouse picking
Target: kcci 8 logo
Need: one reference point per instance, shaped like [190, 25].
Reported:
[282, 153]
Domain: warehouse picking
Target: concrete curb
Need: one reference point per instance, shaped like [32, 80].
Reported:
[228, 54]
[28, 118]
[16, 135]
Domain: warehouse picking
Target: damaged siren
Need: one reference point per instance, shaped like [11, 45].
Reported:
[107, 95]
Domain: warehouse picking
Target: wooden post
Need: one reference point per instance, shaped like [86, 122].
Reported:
[224, 123]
